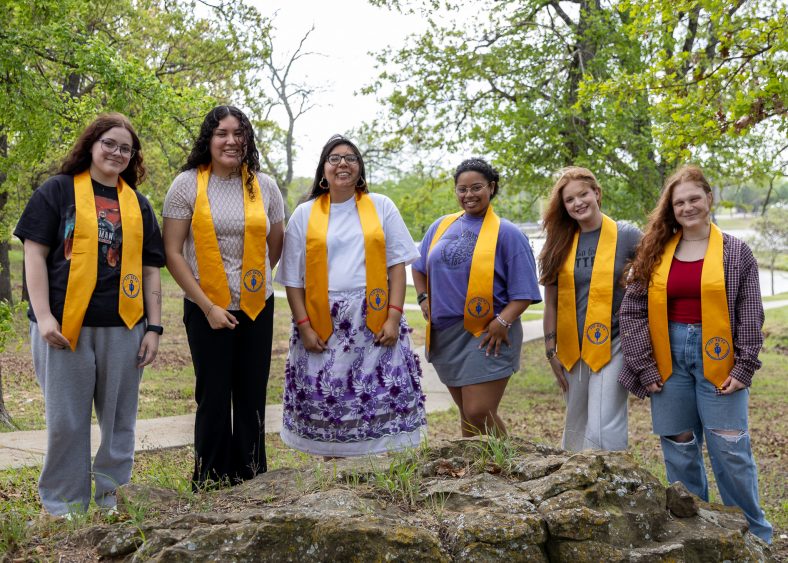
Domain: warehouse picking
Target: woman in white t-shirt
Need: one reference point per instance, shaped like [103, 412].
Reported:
[223, 231]
[352, 380]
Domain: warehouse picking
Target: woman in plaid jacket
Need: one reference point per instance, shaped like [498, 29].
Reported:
[698, 391]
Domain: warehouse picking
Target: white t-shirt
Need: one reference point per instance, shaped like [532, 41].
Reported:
[345, 242]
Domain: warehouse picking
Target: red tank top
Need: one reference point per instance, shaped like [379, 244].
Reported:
[684, 291]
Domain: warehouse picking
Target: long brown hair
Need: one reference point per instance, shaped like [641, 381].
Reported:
[662, 224]
[79, 159]
[559, 227]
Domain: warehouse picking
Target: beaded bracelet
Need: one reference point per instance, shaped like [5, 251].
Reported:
[302, 321]
[503, 321]
[396, 308]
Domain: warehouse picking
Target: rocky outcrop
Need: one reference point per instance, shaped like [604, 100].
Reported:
[463, 500]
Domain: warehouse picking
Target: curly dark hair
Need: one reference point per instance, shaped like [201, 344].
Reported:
[484, 168]
[336, 140]
[80, 158]
[201, 151]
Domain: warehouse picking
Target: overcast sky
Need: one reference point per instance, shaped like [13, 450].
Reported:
[345, 32]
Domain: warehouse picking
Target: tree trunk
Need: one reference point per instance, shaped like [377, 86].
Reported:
[5, 268]
[584, 50]
[771, 270]
[5, 417]
[766, 202]
[5, 263]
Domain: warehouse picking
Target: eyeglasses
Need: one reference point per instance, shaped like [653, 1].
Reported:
[335, 159]
[475, 189]
[111, 146]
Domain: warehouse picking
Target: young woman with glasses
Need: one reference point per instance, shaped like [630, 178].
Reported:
[351, 381]
[223, 230]
[475, 277]
[691, 320]
[92, 256]
[582, 262]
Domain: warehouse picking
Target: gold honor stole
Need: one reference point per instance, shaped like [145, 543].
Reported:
[479, 298]
[716, 329]
[316, 278]
[83, 269]
[213, 279]
[599, 310]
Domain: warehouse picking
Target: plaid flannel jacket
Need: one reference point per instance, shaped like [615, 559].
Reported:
[744, 308]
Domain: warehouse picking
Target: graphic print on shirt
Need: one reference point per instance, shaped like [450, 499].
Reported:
[110, 234]
[585, 258]
[459, 250]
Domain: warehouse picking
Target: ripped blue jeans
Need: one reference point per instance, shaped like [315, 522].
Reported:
[689, 402]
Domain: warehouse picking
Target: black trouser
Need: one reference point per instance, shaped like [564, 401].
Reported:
[231, 370]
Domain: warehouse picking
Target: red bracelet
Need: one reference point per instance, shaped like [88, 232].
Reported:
[396, 308]
[302, 321]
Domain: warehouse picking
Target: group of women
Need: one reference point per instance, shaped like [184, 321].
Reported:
[674, 315]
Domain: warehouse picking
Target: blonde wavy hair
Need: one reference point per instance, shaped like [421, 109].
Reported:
[559, 227]
[662, 223]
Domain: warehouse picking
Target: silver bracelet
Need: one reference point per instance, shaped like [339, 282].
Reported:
[503, 321]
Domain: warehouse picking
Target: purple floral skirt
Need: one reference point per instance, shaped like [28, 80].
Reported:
[355, 398]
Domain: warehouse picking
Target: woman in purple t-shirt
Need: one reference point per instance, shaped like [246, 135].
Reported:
[477, 368]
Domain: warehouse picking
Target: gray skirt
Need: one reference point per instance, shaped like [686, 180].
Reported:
[455, 355]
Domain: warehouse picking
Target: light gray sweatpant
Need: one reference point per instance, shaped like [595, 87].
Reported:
[102, 371]
[596, 406]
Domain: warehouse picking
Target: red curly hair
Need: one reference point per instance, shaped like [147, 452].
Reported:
[662, 224]
[559, 227]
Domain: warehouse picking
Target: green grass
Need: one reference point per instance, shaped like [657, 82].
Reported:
[532, 408]
[167, 387]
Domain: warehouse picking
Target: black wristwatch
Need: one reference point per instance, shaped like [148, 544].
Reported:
[155, 328]
[422, 297]
[550, 354]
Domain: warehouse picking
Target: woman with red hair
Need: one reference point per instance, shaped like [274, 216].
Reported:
[581, 263]
[691, 324]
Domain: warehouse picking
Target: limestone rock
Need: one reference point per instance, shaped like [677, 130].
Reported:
[468, 499]
[131, 495]
[680, 501]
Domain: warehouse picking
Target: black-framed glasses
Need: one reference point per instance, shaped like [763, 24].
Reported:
[475, 189]
[335, 159]
[109, 146]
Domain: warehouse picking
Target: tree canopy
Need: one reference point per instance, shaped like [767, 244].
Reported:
[627, 88]
[163, 63]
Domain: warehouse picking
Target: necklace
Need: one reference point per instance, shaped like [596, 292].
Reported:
[694, 239]
[230, 176]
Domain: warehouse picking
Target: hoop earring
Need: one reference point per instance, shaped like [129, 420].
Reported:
[323, 183]
[361, 182]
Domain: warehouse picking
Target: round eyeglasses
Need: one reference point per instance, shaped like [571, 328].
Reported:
[475, 189]
[335, 159]
[109, 146]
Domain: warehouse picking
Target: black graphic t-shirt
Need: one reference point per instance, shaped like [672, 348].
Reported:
[49, 219]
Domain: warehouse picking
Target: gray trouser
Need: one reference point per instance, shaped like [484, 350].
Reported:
[102, 371]
[596, 406]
